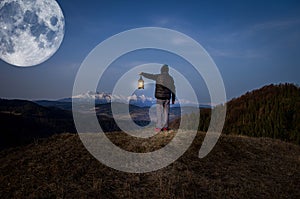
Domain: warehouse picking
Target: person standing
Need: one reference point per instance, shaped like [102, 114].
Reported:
[164, 91]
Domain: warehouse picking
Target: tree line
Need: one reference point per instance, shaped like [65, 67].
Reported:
[271, 111]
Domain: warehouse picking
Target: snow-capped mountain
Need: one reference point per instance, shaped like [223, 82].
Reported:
[141, 100]
[103, 98]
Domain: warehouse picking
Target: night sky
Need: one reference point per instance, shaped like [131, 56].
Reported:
[253, 43]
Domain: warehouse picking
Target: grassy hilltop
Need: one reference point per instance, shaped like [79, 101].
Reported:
[238, 167]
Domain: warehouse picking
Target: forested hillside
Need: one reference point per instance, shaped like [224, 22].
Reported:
[271, 111]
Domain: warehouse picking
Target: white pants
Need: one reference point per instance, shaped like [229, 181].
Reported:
[162, 111]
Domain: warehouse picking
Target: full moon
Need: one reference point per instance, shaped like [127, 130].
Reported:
[31, 31]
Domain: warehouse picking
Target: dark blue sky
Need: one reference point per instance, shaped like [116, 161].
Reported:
[253, 43]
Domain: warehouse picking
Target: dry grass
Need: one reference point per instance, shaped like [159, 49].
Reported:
[238, 167]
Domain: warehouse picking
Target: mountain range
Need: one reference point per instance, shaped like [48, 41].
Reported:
[136, 99]
[103, 98]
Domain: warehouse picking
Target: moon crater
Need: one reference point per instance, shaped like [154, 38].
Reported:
[31, 31]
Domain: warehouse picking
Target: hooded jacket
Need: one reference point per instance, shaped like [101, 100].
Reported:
[164, 88]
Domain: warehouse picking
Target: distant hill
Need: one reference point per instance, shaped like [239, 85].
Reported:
[139, 114]
[24, 121]
[55, 103]
[21, 122]
[237, 167]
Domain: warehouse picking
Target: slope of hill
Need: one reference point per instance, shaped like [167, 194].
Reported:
[23, 121]
[57, 104]
[271, 111]
[238, 167]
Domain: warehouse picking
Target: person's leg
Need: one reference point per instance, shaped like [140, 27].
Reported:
[166, 107]
[159, 114]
